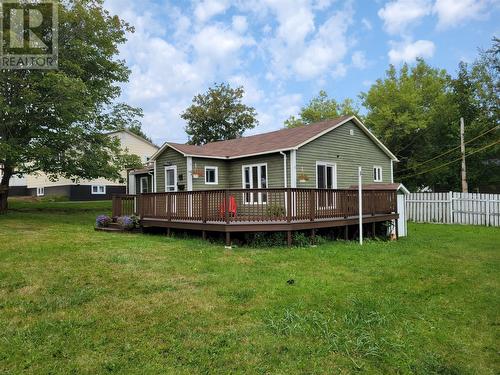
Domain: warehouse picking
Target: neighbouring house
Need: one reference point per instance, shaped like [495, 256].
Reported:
[39, 185]
[285, 180]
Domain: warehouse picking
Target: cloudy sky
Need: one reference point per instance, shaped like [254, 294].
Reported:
[284, 51]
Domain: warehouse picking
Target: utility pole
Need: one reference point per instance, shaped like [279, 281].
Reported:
[462, 150]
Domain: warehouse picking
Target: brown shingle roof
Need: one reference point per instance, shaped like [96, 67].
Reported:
[283, 139]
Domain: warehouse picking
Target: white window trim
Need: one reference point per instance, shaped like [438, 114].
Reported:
[380, 177]
[334, 174]
[174, 168]
[258, 165]
[141, 183]
[216, 175]
[98, 192]
[40, 191]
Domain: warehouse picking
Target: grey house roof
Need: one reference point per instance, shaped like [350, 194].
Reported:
[279, 140]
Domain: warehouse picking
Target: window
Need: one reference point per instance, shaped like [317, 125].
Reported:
[144, 185]
[255, 177]
[211, 175]
[377, 174]
[98, 189]
[40, 191]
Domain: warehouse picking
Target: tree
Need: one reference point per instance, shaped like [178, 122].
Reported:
[55, 121]
[413, 113]
[127, 117]
[218, 115]
[322, 108]
[476, 93]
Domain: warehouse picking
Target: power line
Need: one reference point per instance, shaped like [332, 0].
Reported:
[449, 151]
[453, 161]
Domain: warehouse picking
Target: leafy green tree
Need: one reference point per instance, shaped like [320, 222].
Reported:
[320, 108]
[412, 111]
[218, 114]
[55, 121]
[127, 117]
[476, 93]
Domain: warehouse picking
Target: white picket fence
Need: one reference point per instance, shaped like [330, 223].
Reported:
[454, 208]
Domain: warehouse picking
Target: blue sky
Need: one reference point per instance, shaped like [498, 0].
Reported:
[284, 51]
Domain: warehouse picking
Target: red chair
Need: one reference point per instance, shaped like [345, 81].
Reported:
[232, 210]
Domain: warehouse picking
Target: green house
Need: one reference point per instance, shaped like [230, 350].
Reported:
[321, 155]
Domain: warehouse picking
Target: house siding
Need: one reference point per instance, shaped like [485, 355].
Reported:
[347, 152]
[274, 169]
[138, 182]
[223, 170]
[172, 157]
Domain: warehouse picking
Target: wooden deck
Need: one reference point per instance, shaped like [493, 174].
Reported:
[257, 210]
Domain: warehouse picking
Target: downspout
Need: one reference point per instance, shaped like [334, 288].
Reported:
[284, 168]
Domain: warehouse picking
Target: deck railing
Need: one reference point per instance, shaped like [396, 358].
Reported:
[255, 205]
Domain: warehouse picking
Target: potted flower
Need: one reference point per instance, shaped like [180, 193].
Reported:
[197, 172]
[303, 177]
[102, 221]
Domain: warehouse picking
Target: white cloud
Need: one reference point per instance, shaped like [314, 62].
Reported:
[327, 48]
[240, 24]
[218, 47]
[408, 51]
[454, 12]
[398, 15]
[206, 9]
[359, 60]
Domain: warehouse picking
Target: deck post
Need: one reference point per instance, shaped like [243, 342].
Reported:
[226, 206]
[373, 230]
[169, 206]
[228, 240]
[204, 235]
[313, 237]
[289, 238]
[168, 232]
[346, 232]
[312, 204]
[289, 205]
[204, 210]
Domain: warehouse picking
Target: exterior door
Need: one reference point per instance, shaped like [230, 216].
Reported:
[171, 185]
[255, 177]
[326, 178]
[171, 178]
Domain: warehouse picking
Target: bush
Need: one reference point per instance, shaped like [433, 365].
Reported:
[126, 222]
[275, 211]
[265, 239]
[102, 221]
[301, 240]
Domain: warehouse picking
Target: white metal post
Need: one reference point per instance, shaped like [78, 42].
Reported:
[360, 204]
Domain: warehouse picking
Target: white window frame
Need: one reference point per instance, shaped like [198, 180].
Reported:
[141, 184]
[216, 169]
[98, 189]
[377, 173]
[40, 191]
[334, 174]
[259, 182]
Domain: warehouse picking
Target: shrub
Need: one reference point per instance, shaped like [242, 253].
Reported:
[126, 222]
[102, 221]
[265, 239]
[275, 211]
[301, 240]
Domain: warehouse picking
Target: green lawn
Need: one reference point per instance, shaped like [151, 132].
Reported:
[75, 300]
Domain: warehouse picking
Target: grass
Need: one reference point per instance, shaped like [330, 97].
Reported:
[77, 301]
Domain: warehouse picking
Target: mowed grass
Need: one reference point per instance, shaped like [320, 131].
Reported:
[73, 300]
